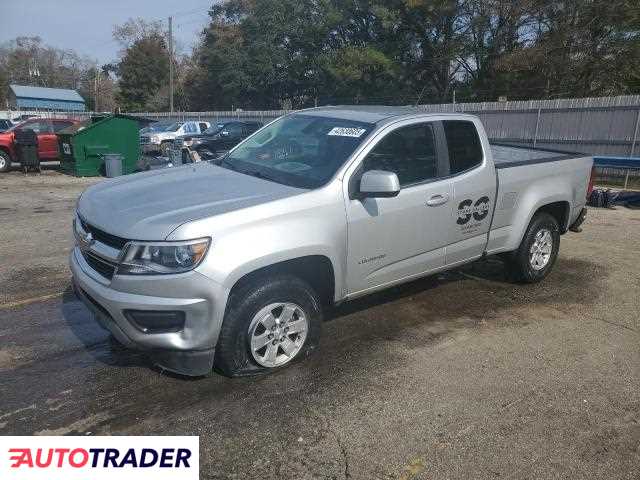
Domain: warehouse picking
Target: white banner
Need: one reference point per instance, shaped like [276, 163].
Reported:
[97, 458]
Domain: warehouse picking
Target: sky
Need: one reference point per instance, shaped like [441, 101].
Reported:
[86, 25]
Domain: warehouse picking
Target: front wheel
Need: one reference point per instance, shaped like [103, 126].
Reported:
[270, 322]
[538, 250]
[5, 161]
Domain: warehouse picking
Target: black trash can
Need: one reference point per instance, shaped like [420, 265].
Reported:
[26, 142]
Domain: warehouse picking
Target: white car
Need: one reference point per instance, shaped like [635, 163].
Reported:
[160, 137]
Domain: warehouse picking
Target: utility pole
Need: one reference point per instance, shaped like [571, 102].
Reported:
[171, 64]
[95, 90]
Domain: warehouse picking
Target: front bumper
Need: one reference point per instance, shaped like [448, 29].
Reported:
[150, 148]
[189, 351]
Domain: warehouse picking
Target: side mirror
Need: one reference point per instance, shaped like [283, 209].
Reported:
[379, 184]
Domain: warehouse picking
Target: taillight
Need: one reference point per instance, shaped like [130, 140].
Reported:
[591, 179]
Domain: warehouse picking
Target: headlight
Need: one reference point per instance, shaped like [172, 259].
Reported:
[148, 258]
[155, 139]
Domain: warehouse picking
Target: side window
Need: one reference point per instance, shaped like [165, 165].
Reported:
[57, 126]
[39, 126]
[409, 152]
[463, 143]
[234, 129]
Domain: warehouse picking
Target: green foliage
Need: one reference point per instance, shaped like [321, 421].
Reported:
[28, 61]
[360, 74]
[143, 71]
[274, 53]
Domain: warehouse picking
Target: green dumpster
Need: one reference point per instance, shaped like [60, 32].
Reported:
[82, 146]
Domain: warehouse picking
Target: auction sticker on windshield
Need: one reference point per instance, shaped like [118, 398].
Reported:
[346, 132]
[97, 458]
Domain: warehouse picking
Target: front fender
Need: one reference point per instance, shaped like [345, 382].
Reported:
[309, 224]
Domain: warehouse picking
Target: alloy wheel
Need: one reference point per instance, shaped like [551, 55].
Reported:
[277, 334]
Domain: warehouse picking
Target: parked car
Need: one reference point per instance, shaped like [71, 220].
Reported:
[5, 125]
[155, 127]
[232, 263]
[219, 138]
[45, 128]
[159, 140]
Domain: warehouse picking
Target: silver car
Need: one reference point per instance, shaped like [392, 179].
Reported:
[231, 264]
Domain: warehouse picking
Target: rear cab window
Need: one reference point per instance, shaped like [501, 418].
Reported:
[463, 143]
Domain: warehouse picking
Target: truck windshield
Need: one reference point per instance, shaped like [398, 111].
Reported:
[17, 126]
[300, 150]
[172, 127]
[215, 128]
[157, 127]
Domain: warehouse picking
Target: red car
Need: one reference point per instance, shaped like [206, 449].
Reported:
[46, 128]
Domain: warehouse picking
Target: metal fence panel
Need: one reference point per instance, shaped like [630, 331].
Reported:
[603, 125]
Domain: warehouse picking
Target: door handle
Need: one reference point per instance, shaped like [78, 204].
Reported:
[438, 199]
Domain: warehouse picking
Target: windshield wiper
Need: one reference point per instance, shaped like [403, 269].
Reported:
[223, 162]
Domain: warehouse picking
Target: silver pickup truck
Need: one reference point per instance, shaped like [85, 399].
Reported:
[231, 265]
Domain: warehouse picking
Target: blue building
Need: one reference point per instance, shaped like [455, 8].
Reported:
[40, 98]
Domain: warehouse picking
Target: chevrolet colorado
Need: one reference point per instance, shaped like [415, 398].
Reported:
[231, 264]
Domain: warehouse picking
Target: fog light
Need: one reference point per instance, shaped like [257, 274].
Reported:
[150, 321]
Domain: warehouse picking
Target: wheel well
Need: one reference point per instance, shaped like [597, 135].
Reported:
[559, 211]
[316, 270]
[6, 150]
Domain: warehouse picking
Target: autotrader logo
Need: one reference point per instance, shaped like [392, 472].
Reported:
[123, 457]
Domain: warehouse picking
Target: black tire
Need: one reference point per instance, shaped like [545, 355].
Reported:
[233, 355]
[5, 162]
[519, 263]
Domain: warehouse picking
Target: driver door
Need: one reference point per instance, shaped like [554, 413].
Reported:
[397, 238]
[232, 136]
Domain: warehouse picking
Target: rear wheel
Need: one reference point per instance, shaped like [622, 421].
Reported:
[538, 250]
[5, 161]
[270, 322]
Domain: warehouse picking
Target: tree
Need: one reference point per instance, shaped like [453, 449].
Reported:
[270, 53]
[28, 61]
[143, 71]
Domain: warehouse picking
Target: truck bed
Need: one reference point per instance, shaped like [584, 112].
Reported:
[506, 156]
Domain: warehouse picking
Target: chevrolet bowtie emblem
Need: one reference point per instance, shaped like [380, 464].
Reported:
[87, 240]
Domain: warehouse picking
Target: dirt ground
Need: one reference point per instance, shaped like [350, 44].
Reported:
[461, 375]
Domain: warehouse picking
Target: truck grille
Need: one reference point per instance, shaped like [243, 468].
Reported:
[104, 237]
[100, 265]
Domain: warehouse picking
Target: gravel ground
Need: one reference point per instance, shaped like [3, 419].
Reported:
[461, 375]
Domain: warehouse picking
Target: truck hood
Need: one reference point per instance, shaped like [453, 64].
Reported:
[150, 205]
[158, 134]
